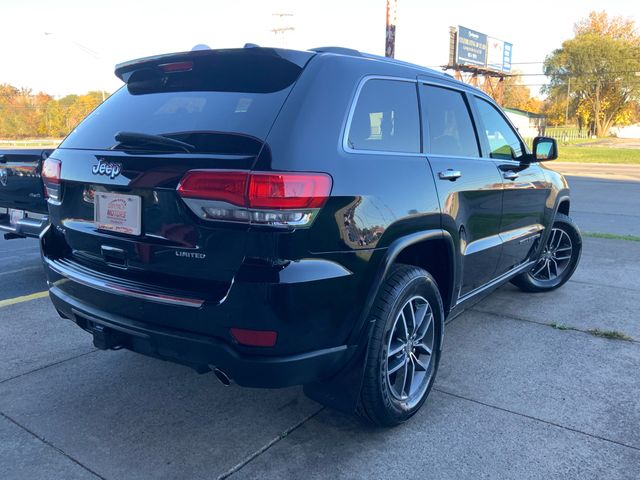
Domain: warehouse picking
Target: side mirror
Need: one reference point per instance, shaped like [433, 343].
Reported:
[544, 148]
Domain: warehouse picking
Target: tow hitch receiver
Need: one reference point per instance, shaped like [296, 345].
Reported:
[105, 339]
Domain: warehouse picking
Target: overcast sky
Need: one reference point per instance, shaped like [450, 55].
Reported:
[89, 37]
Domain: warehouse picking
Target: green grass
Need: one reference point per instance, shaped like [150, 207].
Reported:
[599, 155]
[577, 141]
[560, 326]
[30, 144]
[610, 334]
[611, 236]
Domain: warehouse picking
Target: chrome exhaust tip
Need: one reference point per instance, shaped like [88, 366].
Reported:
[223, 377]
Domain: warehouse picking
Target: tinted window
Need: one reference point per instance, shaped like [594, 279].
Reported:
[386, 118]
[447, 122]
[209, 106]
[503, 141]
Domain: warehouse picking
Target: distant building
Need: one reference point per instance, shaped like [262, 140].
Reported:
[529, 124]
[628, 131]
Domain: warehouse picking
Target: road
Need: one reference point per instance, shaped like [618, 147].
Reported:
[514, 398]
[606, 198]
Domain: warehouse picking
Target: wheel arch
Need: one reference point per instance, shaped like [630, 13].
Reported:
[561, 204]
[432, 250]
[342, 391]
[564, 204]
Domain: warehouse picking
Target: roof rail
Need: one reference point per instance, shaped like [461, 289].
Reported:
[339, 50]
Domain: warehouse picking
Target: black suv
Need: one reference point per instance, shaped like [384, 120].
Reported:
[286, 217]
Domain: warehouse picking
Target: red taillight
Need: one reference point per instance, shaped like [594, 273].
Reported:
[254, 338]
[51, 170]
[265, 190]
[227, 186]
[266, 198]
[282, 191]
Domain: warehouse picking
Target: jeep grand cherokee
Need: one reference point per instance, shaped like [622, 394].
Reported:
[298, 217]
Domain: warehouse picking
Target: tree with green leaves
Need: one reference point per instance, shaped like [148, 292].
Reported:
[596, 74]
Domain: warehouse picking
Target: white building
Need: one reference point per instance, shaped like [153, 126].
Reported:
[529, 124]
[628, 131]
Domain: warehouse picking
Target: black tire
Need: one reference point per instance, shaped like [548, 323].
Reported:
[534, 280]
[405, 287]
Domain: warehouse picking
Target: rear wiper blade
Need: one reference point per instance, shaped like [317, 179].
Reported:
[136, 138]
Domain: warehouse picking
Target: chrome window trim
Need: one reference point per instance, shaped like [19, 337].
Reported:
[419, 80]
[354, 102]
[455, 157]
[501, 161]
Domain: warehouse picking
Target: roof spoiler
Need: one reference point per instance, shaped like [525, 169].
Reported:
[124, 70]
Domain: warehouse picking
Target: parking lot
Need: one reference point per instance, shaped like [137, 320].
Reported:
[526, 389]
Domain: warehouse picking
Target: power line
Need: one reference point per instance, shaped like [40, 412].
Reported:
[549, 84]
[578, 74]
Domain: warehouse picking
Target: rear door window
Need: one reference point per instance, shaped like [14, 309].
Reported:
[447, 122]
[386, 118]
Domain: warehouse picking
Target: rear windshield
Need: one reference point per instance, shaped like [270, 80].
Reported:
[216, 108]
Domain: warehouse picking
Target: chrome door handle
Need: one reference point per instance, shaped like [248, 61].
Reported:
[510, 175]
[450, 175]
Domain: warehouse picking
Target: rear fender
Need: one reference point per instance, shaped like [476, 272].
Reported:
[342, 391]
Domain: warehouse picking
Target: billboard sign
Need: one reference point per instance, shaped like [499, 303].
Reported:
[471, 48]
[498, 55]
[479, 50]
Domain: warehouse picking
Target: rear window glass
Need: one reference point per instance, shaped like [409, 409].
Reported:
[386, 118]
[448, 123]
[214, 110]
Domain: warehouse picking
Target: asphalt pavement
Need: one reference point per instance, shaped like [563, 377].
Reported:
[525, 388]
[605, 197]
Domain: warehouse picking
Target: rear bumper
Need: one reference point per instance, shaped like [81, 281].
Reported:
[120, 308]
[199, 351]
[30, 226]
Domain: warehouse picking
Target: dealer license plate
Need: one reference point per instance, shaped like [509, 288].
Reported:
[15, 216]
[116, 212]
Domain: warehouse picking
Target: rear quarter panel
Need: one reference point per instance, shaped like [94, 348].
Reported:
[375, 198]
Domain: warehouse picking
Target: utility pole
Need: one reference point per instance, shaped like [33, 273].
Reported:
[390, 39]
[281, 29]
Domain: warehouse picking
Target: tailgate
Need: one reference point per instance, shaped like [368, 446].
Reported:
[20, 183]
[120, 212]
[171, 245]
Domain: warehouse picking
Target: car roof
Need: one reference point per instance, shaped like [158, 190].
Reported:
[392, 61]
[409, 68]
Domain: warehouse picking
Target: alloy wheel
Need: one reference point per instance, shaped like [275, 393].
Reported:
[555, 257]
[410, 351]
